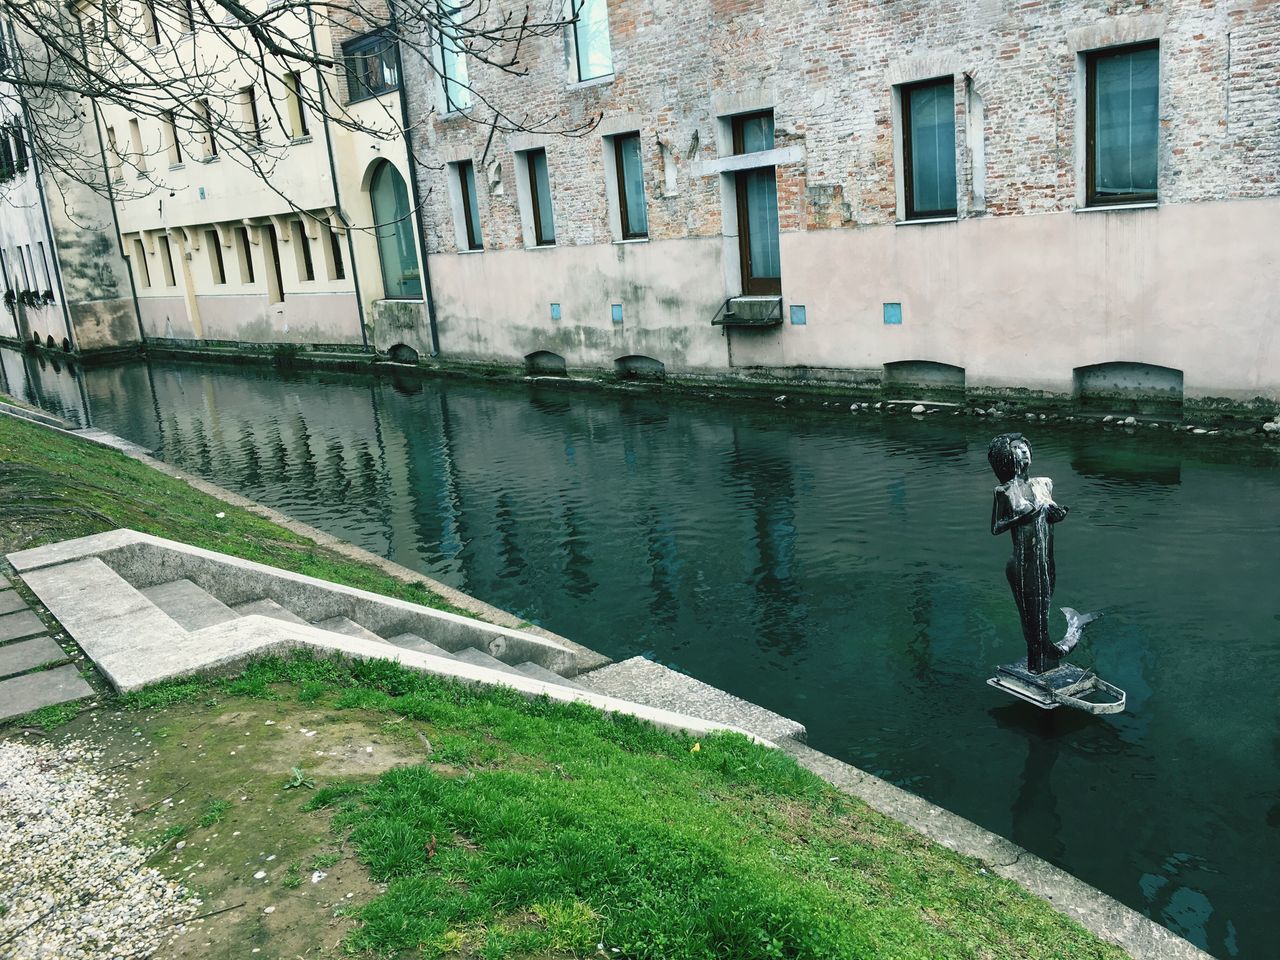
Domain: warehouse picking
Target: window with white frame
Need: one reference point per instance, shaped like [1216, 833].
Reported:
[453, 60]
[591, 39]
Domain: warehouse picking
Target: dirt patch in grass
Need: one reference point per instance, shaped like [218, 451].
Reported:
[206, 784]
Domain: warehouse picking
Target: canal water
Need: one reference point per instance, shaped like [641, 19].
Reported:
[836, 569]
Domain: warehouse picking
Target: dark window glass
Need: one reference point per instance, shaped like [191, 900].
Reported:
[929, 149]
[19, 147]
[218, 265]
[630, 173]
[470, 205]
[591, 39]
[757, 194]
[372, 65]
[1123, 123]
[393, 225]
[166, 261]
[544, 224]
[335, 244]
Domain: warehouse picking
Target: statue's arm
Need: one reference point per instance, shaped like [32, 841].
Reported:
[1003, 516]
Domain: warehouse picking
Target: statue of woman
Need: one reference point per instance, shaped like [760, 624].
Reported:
[1024, 506]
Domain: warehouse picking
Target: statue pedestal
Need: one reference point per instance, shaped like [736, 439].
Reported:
[1066, 685]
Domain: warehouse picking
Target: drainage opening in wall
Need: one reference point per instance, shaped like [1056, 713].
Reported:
[637, 367]
[66, 345]
[51, 343]
[403, 353]
[1124, 386]
[544, 363]
[923, 379]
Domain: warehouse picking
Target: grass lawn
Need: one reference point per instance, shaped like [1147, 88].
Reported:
[54, 487]
[446, 821]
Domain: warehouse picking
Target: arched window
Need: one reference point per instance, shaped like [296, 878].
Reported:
[393, 220]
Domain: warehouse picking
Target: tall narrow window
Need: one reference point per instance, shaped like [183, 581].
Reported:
[135, 145]
[630, 173]
[275, 278]
[929, 149]
[757, 196]
[6, 156]
[217, 266]
[453, 61]
[544, 223]
[470, 205]
[302, 250]
[244, 253]
[335, 250]
[19, 147]
[209, 144]
[140, 261]
[252, 128]
[186, 15]
[28, 270]
[44, 265]
[114, 160]
[393, 226]
[150, 25]
[591, 39]
[171, 139]
[1122, 124]
[297, 115]
[166, 261]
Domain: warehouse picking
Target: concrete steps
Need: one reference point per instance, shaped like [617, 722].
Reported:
[189, 606]
[194, 608]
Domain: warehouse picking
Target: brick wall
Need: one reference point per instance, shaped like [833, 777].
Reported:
[828, 69]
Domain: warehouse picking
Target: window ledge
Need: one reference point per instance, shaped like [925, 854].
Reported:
[209, 159]
[618, 243]
[178, 166]
[372, 96]
[305, 138]
[925, 220]
[462, 251]
[593, 82]
[456, 114]
[540, 246]
[1108, 207]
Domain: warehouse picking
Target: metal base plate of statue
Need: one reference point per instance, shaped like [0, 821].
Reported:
[1066, 685]
[1024, 507]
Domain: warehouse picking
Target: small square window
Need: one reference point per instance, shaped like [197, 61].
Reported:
[893, 314]
[798, 317]
[616, 312]
[555, 311]
[1122, 123]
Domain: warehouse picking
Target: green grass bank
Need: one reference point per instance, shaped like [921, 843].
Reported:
[455, 822]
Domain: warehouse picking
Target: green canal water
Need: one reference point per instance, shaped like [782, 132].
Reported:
[838, 569]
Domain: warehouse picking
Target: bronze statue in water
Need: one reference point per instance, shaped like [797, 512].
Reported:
[1024, 507]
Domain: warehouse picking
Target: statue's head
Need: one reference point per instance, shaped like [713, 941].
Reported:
[1010, 456]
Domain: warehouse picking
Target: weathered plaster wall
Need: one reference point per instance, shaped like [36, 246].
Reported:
[1019, 291]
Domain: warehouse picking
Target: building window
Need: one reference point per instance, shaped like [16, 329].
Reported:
[244, 253]
[171, 138]
[295, 113]
[252, 127]
[591, 39]
[1122, 124]
[209, 144]
[929, 149]
[542, 219]
[114, 160]
[150, 24]
[453, 61]
[19, 147]
[629, 171]
[140, 261]
[275, 278]
[372, 66]
[302, 250]
[6, 156]
[44, 265]
[166, 261]
[186, 16]
[757, 197]
[339, 271]
[216, 264]
[473, 235]
[393, 226]
[135, 144]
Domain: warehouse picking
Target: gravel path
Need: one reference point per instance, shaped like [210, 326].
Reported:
[71, 886]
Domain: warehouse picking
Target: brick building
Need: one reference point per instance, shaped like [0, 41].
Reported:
[1052, 195]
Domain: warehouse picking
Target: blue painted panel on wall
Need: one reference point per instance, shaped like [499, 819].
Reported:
[555, 311]
[798, 317]
[893, 313]
[617, 313]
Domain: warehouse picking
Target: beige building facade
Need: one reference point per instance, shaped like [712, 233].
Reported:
[1065, 197]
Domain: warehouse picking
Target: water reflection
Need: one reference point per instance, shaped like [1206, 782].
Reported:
[836, 569]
